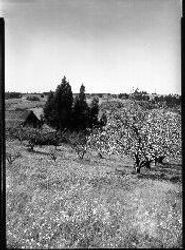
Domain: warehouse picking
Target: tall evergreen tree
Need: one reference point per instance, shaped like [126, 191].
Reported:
[58, 108]
[50, 111]
[93, 114]
[80, 110]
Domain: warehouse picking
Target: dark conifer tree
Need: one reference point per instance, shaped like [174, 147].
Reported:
[49, 111]
[58, 108]
[80, 111]
[93, 114]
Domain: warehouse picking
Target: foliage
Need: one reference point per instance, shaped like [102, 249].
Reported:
[99, 141]
[80, 111]
[10, 95]
[33, 98]
[103, 120]
[11, 157]
[49, 112]
[145, 136]
[35, 136]
[79, 142]
[140, 95]
[53, 154]
[94, 110]
[62, 113]
[84, 116]
[58, 108]
[150, 104]
[123, 96]
[169, 100]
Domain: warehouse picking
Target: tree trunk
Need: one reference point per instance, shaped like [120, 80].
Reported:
[138, 169]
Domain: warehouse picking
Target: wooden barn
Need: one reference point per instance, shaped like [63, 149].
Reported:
[34, 118]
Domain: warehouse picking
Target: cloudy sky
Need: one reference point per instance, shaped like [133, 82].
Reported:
[109, 45]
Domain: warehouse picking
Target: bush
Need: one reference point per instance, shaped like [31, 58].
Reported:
[33, 98]
[140, 95]
[149, 105]
[11, 157]
[168, 100]
[36, 136]
[10, 95]
[103, 120]
[123, 96]
[79, 142]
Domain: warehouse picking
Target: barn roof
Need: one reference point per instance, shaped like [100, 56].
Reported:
[38, 112]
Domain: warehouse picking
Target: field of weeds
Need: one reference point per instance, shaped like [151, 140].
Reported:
[72, 203]
[22, 104]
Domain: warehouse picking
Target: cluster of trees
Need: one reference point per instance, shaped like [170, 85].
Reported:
[10, 95]
[146, 135]
[169, 100]
[140, 95]
[63, 112]
[123, 96]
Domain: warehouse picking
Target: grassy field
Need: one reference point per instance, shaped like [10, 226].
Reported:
[21, 103]
[94, 202]
[91, 202]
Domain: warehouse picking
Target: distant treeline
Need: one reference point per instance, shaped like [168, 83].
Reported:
[9, 95]
[169, 100]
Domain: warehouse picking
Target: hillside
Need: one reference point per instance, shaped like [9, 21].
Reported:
[93, 202]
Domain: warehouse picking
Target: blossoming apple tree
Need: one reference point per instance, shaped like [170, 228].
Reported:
[146, 135]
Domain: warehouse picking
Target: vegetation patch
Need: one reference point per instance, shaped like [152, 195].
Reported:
[80, 187]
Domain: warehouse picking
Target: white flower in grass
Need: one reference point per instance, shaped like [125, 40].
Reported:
[64, 215]
[94, 210]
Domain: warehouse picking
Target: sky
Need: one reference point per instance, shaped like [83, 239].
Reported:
[111, 46]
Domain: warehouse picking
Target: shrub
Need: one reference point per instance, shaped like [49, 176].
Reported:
[99, 141]
[53, 154]
[103, 120]
[139, 95]
[79, 142]
[33, 98]
[123, 96]
[10, 95]
[35, 136]
[12, 157]
[168, 100]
